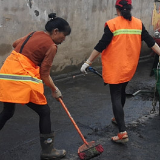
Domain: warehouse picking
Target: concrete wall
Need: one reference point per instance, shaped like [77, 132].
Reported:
[86, 17]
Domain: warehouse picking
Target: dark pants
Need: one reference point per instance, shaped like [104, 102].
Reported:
[118, 98]
[42, 110]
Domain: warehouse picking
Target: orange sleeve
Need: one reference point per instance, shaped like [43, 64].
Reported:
[47, 61]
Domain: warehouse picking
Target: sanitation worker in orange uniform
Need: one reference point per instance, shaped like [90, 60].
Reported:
[22, 76]
[120, 48]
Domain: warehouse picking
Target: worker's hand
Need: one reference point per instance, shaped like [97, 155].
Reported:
[57, 93]
[85, 66]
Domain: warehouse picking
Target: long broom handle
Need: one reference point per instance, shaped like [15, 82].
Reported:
[71, 118]
[94, 71]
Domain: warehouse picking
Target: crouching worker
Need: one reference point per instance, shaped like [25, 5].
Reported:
[120, 46]
[22, 74]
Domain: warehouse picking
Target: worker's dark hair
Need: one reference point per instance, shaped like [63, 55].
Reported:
[59, 23]
[125, 10]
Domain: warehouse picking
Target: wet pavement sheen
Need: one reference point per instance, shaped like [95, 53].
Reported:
[88, 101]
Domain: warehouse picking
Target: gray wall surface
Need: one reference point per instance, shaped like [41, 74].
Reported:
[86, 18]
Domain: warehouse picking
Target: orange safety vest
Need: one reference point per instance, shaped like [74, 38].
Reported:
[20, 81]
[120, 58]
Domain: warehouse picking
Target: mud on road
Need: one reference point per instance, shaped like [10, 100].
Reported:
[88, 101]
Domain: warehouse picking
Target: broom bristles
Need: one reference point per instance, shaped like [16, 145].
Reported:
[91, 152]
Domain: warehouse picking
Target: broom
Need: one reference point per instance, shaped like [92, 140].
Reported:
[89, 149]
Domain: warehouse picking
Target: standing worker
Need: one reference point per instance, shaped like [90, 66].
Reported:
[23, 72]
[120, 46]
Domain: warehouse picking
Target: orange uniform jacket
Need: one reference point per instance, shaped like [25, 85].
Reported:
[120, 58]
[20, 80]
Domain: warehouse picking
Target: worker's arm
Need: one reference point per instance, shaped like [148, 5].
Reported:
[147, 38]
[45, 71]
[156, 49]
[93, 55]
[101, 45]
[49, 82]
[89, 61]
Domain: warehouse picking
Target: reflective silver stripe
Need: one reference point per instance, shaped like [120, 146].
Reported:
[19, 78]
[127, 31]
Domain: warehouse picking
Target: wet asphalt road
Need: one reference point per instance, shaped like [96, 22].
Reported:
[88, 101]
